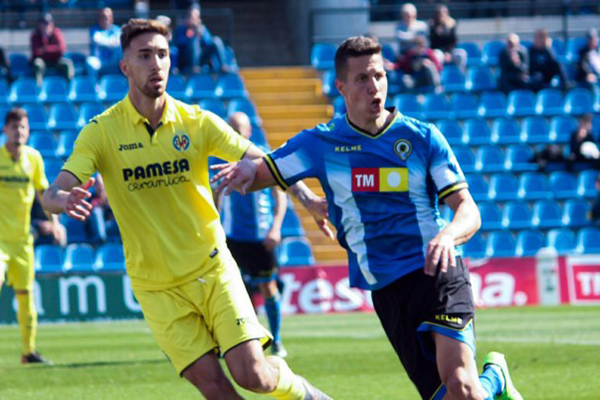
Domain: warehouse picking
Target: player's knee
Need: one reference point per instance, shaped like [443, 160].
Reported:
[461, 385]
[254, 379]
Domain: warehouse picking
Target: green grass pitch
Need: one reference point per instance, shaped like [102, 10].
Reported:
[554, 353]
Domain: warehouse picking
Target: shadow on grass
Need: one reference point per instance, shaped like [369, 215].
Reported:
[107, 363]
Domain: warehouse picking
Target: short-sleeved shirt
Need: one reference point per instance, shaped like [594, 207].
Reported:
[19, 181]
[382, 190]
[157, 185]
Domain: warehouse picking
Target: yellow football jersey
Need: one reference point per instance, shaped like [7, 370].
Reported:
[18, 182]
[158, 186]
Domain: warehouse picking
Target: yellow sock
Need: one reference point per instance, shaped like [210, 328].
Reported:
[290, 386]
[27, 317]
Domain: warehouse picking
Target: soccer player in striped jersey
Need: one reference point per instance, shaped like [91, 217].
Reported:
[383, 175]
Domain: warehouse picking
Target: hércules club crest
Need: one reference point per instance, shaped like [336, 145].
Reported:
[181, 141]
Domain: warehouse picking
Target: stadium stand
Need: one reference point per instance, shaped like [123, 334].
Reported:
[295, 251]
[79, 258]
[49, 258]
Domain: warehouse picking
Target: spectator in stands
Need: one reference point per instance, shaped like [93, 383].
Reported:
[595, 213]
[582, 144]
[421, 67]
[443, 39]
[549, 158]
[105, 45]
[141, 9]
[198, 49]
[588, 68]
[543, 65]
[409, 27]
[44, 230]
[4, 64]
[514, 65]
[47, 49]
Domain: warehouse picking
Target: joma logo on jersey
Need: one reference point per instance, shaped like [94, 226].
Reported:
[379, 179]
[156, 169]
[130, 146]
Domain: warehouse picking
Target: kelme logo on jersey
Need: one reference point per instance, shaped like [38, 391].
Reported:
[181, 141]
[379, 179]
[403, 148]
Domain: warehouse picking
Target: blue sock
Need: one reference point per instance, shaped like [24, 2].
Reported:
[273, 310]
[491, 380]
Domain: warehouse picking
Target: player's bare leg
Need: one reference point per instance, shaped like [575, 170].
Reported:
[208, 376]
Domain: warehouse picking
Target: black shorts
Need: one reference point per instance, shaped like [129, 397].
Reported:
[417, 304]
[254, 259]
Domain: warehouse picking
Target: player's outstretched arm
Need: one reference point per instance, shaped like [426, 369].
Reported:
[66, 195]
[464, 225]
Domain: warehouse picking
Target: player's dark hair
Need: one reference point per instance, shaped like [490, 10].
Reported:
[15, 114]
[355, 46]
[136, 27]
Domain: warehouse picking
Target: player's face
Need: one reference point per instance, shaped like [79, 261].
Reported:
[146, 64]
[365, 88]
[17, 132]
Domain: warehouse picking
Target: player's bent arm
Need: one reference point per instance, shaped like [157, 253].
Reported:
[466, 221]
[64, 195]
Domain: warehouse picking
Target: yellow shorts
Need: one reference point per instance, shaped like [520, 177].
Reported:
[16, 260]
[211, 313]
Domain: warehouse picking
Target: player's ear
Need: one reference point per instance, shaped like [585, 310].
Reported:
[124, 67]
[339, 84]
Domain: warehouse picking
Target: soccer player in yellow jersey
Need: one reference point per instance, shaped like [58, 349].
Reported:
[21, 176]
[152, 152]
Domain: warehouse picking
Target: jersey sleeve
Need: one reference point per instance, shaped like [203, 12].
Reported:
[40, 182]
[83, 162]
[443, 166]
[221, 140]
[293, 161]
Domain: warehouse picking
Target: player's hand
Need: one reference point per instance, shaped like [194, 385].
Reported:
[76, 206]
[234, 176]
[317, 207]
[440, 251]
[273, 239]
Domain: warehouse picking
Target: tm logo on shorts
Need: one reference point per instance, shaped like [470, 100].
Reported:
[181, 141]
[379, 179]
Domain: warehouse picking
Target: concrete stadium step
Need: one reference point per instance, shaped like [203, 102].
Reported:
[279, 73]
[297, 125]
[333, 253]
[288, 99]
[299, 111]
[304, 85]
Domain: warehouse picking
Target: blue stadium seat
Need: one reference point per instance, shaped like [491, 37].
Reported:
[395, 83]
[465, 157]
[473, 53]
[574, 45]
[215, 106]
[87, 111]
[477, 132]
[63, 116]
[55, 89]
[453, 80]
[246, 106]
[76, 230]
[500, 244]
[258, 135]
[519, 158]
[479, 79]
[521, 103]
[79, 62]
[66, 141]
[79, 258]
[492, 105]
[408, 105]
[534, 186]
[24, 90]
[529, 242]
[83, 89]
[588, 241]
[339, 106]
[176, 87]
[563, 240]
[535, 130]
[112, 88]
[578, 101]
[516, 215]
[478, 187]
[575, 213]
[451, 130]
[464, 105]
[491, 217]
[291, 225]
[489, 158]
[53, 166]
[3, 110]
[230, 86]
[503, 186]
[48, 258]
[3, 92]
[505, 131]
[44, 143]
[328, 84]
[20, 65]
[322, 56]
[561, 128]
[475, 247]
[200, 86]
[546, 214]
[295, 251]
[549, 102]
[585, 183]
[38, 118]
[231, 60]
[388, 52]
[110, 258]
[559, 49]
[435, 106]
[563, 185]
[491, 51]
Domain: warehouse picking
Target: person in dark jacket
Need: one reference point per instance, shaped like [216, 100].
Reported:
[443, 38]
[543, 65]
[514, 65]
[588, 68]
[47, 50]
